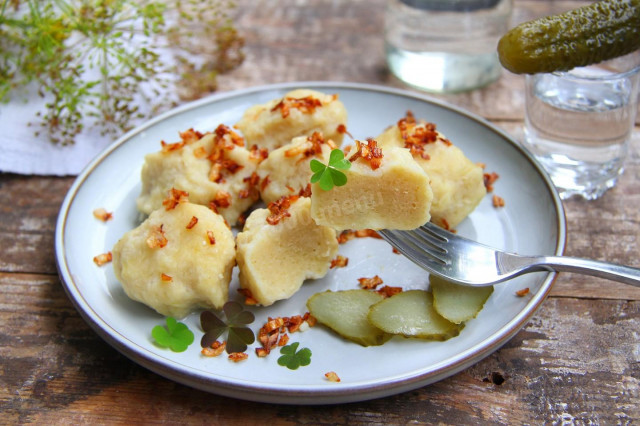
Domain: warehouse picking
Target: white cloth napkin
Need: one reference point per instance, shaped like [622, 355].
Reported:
[21, 151]
[24, 151]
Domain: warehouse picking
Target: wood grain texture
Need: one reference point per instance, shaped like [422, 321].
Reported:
[576, 361]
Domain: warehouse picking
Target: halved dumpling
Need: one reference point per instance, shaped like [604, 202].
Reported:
[391, 193]
[280, 247]
[456, 181]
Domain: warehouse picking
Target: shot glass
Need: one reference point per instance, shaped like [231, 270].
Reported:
[445, 46]
[578, 124]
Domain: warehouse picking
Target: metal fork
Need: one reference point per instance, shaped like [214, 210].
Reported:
[468, 262]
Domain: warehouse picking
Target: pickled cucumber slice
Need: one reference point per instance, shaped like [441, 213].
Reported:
[411, 314]
[600, 31]
[455, 302]
[345, 312]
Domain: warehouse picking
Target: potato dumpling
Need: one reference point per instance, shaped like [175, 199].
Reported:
[457, 182]
[286, 171]
[215, 169]
[298, 113]
[395, 195]
[282, 246]
[177, 260]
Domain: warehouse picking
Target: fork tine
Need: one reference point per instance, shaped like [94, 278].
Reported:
[426, 242]
[410, 251]
[427, 236]
[437, 232]
[415, 249]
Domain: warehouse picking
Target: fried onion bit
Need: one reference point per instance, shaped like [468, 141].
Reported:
[370, 283]
[279, 209]
[215, 349]
[306, 105]
[238, 356]
[222, 199]
[156, 238]
[497, 201]
[332, 376]
[306, 191]
[388, 291]
[417, 137]
[339, 262]
[103, 259]
[235, 139]
[176, 196]
[211, 238]
[170, 147]
[102, 214]
[489, 180]
[274, 332]
[369, 152]
[193, 222]
[190, 136]
[252, 182]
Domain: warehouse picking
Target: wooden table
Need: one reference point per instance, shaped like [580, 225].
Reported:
[578, 359]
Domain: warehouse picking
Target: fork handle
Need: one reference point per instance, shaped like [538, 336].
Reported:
[609, 271]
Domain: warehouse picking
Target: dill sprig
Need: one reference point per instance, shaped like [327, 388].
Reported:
[102, 59]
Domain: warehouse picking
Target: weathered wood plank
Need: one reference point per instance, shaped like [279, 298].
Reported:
[28, 210]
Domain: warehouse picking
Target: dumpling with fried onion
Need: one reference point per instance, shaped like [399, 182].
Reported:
[385, 188]
[286, 171]
[280, 247]
[456, 181]
[299, 112]
[214, 168]
[177, 259]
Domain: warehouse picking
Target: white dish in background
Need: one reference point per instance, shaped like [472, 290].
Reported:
[532, 222]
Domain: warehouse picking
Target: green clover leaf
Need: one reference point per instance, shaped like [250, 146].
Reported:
[239, 336]
[316, 167]
[337, 160]
[338, 178]
[175, 336]
[328, 176]
[292, 358]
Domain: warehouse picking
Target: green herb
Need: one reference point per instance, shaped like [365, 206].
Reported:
[88, 58]
[292, 358]
[175, 336]
[328, 176]
[238, 334]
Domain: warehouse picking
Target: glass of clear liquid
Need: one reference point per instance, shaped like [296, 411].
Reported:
[445, 46]
[578, 124]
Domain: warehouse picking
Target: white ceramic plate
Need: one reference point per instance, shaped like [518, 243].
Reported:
[532, 222]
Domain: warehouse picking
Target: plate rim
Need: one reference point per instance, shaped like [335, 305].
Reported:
[287, 393]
